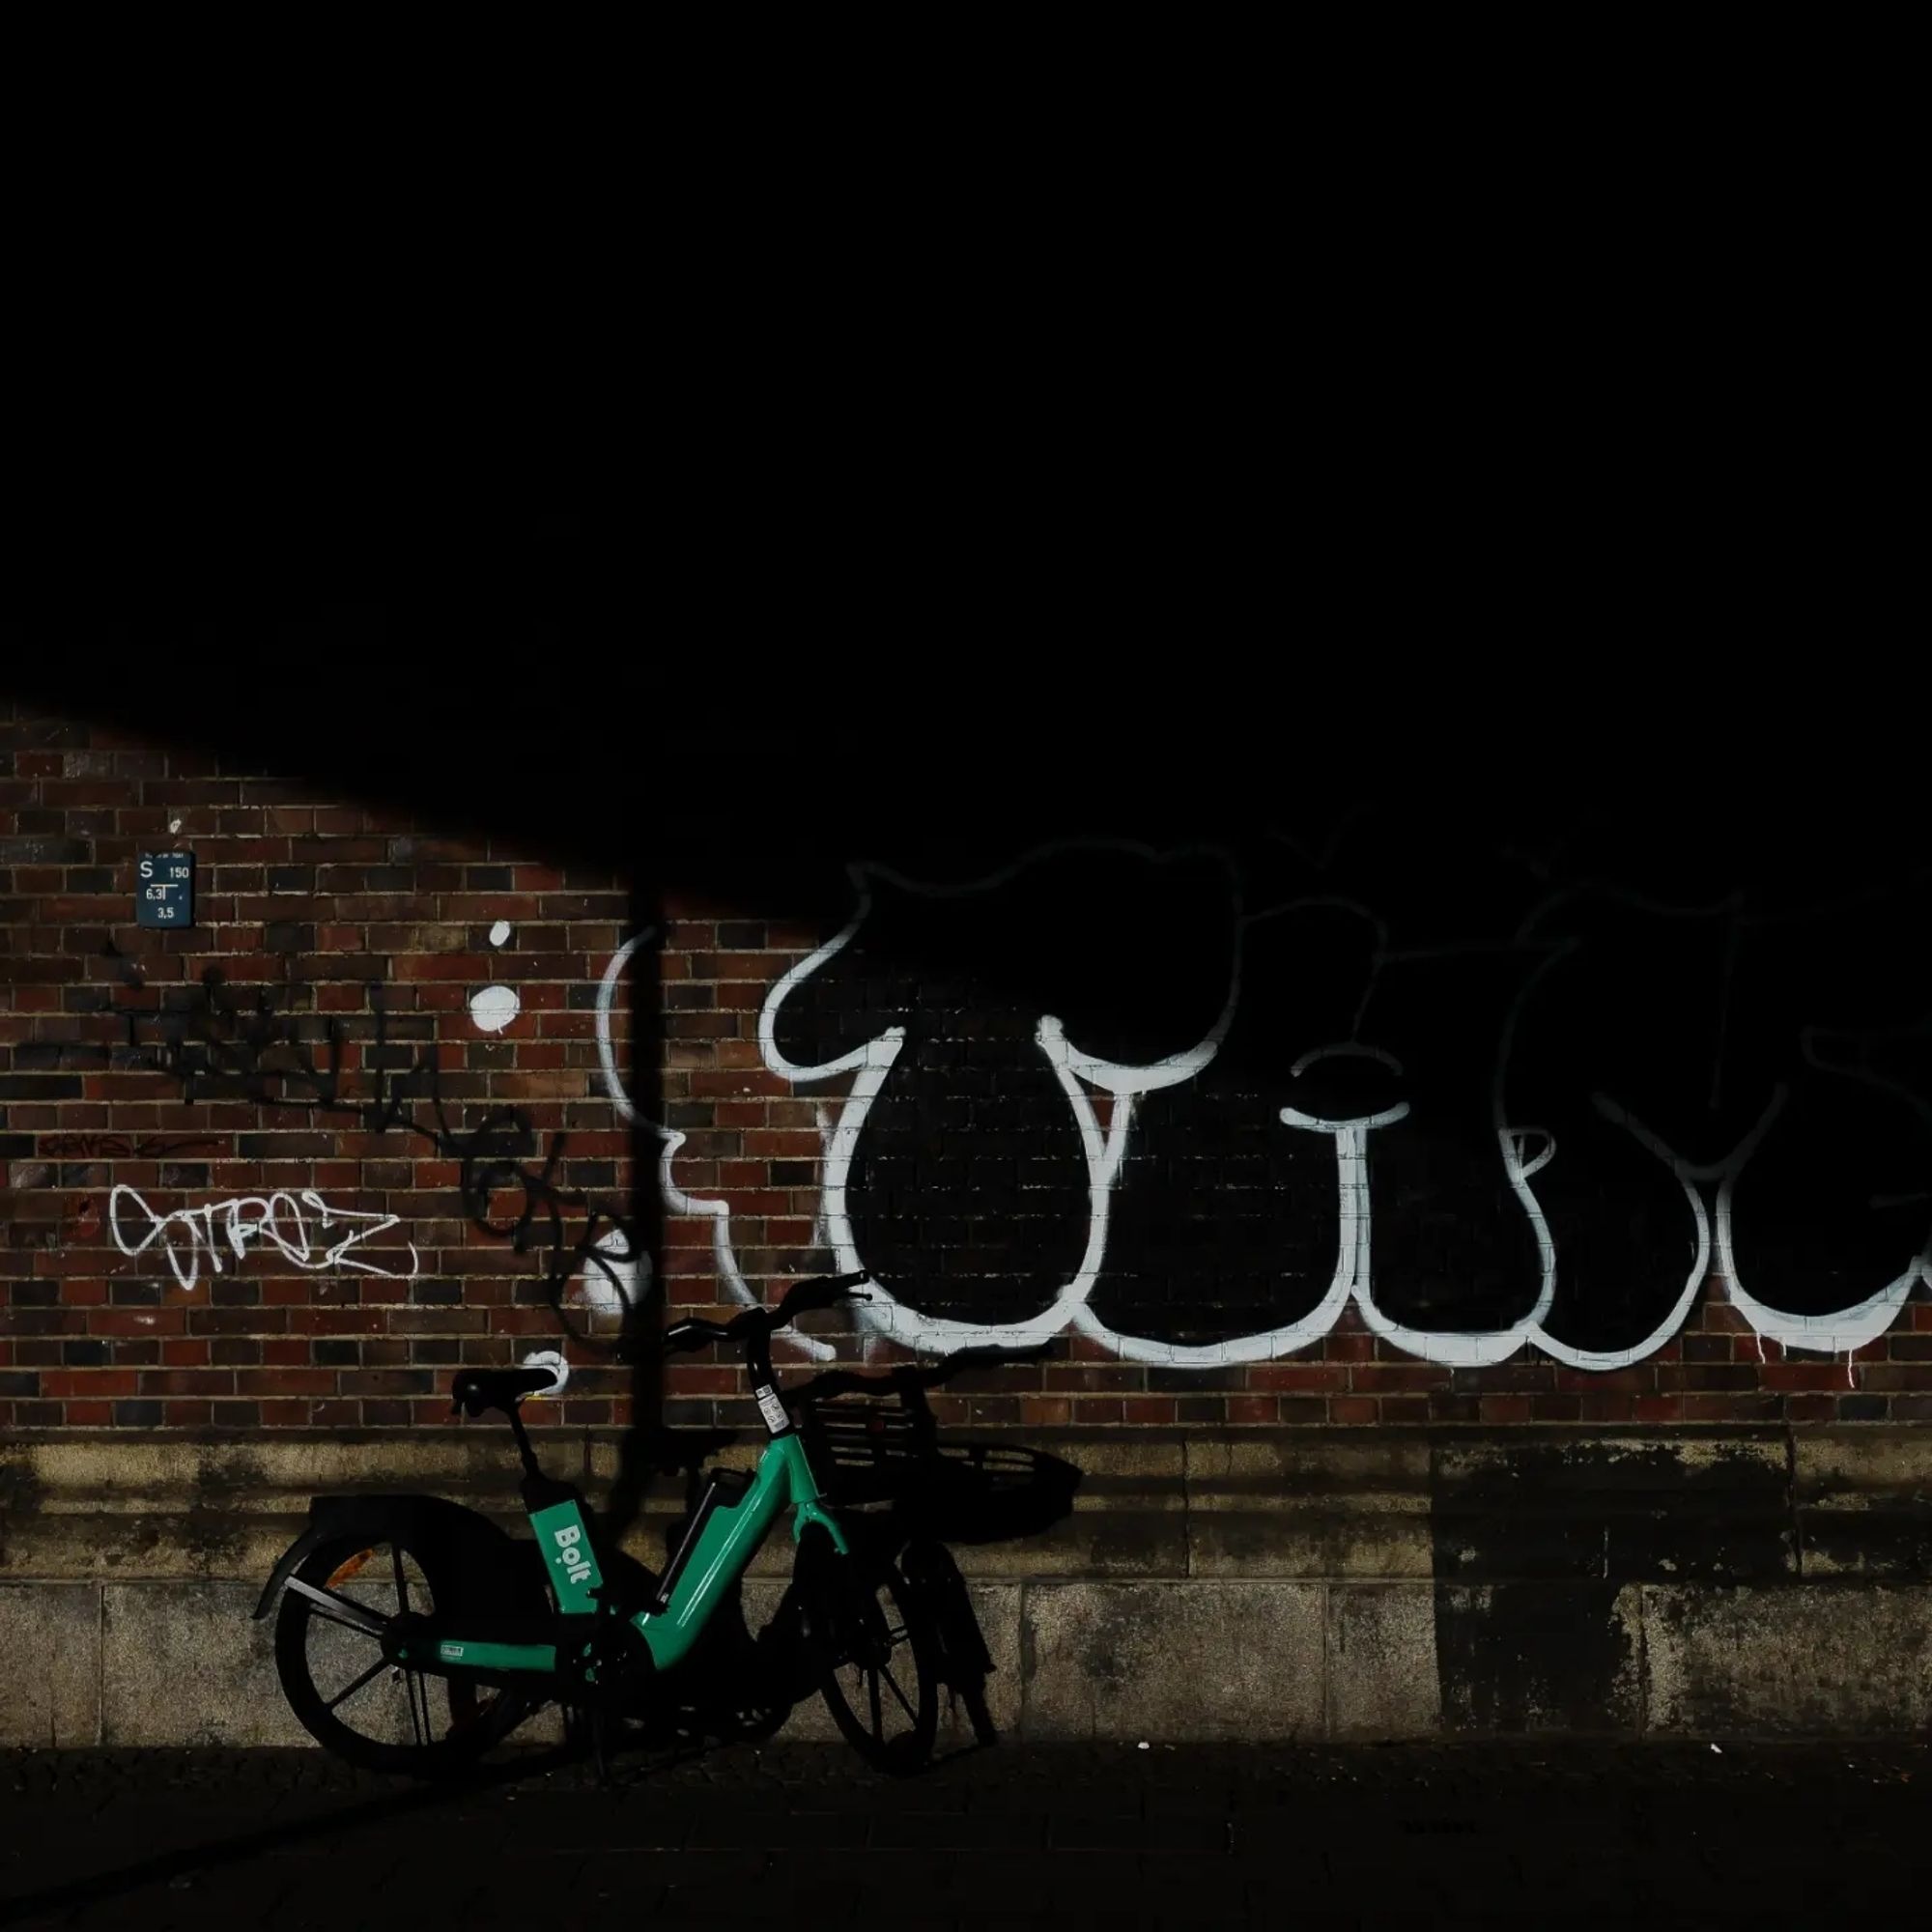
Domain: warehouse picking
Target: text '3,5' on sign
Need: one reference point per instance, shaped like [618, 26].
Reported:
[164, 889]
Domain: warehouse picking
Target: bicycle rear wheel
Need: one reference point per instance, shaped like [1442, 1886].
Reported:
[354, 1703]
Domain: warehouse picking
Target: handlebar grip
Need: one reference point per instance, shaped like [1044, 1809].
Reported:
[825, 1290]
[683, 1338]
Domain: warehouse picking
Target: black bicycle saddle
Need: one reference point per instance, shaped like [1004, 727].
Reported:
[476, 1389]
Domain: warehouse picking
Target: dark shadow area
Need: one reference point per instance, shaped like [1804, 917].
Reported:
[877, 1448]
[390, 1807]
[642, 1311]
[497, 679]
[1535, 1546]
[1529, 1831]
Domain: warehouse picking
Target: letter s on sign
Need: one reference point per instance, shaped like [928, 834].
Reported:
[147, 868]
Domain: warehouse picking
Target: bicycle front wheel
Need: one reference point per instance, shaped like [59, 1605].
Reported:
[882, 1682]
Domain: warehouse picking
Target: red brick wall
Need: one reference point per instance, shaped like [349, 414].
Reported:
[313, 900]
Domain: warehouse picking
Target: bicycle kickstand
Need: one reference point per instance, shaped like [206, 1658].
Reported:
[584, 1725]
[598, 1722]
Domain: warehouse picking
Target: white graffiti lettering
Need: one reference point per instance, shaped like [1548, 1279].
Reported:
[1594, 1142]
[281, 1220]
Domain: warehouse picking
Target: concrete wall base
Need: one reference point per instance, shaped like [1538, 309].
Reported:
[1318, 1585]
[181, 1663]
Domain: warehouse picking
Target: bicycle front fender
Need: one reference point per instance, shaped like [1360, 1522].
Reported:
[474, 1556]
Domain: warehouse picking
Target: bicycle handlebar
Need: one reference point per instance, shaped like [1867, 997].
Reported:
[824, 1291]
[910, 1375]
[754, 1325]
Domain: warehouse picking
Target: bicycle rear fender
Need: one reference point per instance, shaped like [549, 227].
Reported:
[476, 1560]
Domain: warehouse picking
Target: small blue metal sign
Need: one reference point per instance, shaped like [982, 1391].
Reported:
[164, 889]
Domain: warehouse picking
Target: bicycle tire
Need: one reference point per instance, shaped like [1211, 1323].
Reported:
[881, 1680]
[478, 1716]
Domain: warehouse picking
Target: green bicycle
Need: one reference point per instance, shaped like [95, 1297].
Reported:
[413, 1633]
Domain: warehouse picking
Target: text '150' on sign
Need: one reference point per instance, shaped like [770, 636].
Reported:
[164, 889]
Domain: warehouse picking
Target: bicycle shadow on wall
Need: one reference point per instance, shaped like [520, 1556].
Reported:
[906, 1492]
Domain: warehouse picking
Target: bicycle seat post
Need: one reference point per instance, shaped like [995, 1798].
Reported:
[532, 1467]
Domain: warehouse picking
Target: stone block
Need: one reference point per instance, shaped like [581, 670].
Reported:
[1823, 1659]
[1382, 1673]
[50, 1688]
[185, 1664]
[1173, 1662]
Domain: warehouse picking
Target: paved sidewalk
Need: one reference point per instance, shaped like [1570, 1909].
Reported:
[1059, 1836]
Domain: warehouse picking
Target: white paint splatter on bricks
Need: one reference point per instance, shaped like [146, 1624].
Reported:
[494, 1008]
[500, 933]
[281, 1221]
[615, 1279]
[552, 1360]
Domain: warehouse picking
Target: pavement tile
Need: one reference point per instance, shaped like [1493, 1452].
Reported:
[774, 1831]
[1077, 1831]
[956, 1830]
[1054, 1836]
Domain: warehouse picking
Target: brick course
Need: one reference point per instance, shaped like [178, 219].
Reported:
[329, 920]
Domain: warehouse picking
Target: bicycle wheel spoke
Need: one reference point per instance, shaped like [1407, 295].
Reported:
[342, 1697]
[344, 1610]
[886, 1671]
[349, 1695]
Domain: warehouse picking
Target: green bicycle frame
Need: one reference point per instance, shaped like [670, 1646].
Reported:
[730, 1537]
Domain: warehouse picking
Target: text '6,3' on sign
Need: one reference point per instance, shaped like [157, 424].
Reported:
[164, 889]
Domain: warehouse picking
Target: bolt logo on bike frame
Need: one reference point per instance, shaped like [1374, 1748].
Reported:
[575, 1574]
[570, 1554]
